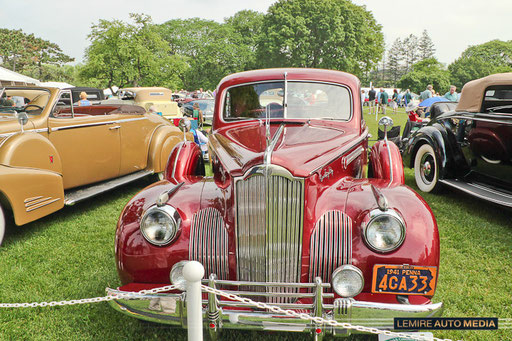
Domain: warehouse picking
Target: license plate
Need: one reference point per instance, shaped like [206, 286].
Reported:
[404, 279]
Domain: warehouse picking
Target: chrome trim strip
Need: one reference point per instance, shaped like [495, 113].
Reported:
[32, 199]
[330, 245]
[42, 130]
[390, 163]
[35, 207]
[37, 201]
[351, 145]
[85, 125]
[176, 160]
[348, 159]
[265, 284]
[468, 191]
[209, 242]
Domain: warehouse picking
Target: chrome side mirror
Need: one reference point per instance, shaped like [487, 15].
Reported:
[385, 123]
[22, 119]
[185, 126]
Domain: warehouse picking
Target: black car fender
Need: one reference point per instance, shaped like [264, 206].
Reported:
[437, 136]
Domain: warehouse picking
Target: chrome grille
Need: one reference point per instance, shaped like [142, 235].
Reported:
[269, 227]
[209, 242]
[330, 245]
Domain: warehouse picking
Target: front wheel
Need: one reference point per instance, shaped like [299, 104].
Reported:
[426, 169]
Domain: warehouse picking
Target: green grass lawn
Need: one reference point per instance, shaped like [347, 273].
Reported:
[70, 255]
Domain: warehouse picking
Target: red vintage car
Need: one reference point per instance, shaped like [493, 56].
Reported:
[288, 217]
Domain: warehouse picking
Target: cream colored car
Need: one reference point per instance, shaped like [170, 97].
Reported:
[157, 98]
[54, 154]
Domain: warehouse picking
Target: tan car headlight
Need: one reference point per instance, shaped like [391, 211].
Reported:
[347, 281]
[385, 231]
[160, 225]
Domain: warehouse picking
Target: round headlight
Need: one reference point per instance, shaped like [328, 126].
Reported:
[177, 277]
[385, 231]
[347, 281]
[160, 225]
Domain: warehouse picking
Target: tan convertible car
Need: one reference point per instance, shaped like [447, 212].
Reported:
[54, 154]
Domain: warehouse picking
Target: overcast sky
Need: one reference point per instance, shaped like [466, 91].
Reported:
[453, 25]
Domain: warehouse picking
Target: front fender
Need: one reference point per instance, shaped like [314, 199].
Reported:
[185, 160]
[164, 139]
[386, 162]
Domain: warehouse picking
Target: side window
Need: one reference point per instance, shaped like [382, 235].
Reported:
[64, 107]
[498, 99]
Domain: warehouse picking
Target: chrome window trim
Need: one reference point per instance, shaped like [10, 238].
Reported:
[348, 159]
[351, 98]
[85, 125]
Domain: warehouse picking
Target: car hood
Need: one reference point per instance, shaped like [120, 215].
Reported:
[302, 148]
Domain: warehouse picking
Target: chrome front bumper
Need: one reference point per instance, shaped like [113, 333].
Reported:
[218, 313]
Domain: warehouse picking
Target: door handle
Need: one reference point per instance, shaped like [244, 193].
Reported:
[114, 127]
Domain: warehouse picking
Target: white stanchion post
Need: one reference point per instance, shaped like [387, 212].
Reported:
[193, 272]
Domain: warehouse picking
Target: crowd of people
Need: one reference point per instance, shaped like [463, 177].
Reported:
[379, 100]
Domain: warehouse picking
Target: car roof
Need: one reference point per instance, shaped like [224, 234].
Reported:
[473, 92]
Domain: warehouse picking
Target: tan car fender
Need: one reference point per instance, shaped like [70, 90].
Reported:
[30, 150]
[164, 139]
[30, 193]
[30, 177]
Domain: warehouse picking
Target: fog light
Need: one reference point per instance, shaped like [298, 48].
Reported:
[347, 281]
[177, 277]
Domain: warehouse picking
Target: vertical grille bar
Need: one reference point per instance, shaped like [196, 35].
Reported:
[330, 245]
[269, 229]
[209, 242]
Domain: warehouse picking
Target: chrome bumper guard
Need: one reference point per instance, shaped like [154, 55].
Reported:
[171, 309]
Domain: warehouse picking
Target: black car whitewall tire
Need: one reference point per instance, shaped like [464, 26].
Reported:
[2, 225]
[426, 169]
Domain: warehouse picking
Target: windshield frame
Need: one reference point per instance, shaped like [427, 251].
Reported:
[225, 91]
[29, 88]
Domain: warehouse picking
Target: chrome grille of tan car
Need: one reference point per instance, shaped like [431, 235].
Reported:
[269, 228]
[330, 245]
[209, 242]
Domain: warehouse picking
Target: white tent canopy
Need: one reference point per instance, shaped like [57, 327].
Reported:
[60, 85]
[8, 77]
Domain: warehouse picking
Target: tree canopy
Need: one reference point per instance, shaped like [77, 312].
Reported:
[332, 34]
[428, 71]
[481, 60]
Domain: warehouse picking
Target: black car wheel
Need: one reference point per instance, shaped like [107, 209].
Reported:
[426, 169]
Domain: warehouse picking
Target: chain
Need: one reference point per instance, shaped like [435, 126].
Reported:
[315, 319]
[107, 298]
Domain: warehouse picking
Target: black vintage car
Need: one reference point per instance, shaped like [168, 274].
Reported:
[470, 148]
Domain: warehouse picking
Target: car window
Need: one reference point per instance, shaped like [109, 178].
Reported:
[29, 100]
[306, 100]
[63, 107]
[498, 99]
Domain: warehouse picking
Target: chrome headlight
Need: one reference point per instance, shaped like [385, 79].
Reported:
[347, 281]
[176, 275]
[385, 231]
[160, 225]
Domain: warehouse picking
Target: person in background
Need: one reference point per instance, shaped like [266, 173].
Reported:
[407, 97]
[8, 102]
[377, 98]
[197, 113]
[427, 93]
[452, 95]
[383, 101]
[83, 100]
[371, 100]
[394, 103]
[363, 97]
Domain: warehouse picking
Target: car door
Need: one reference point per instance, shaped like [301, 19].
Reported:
[88, 144]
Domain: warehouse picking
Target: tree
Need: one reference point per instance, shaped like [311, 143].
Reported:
[212, 50]
[426, 46]
[27, 53]
[395, 59]
[428, 71]
[478, 61]
[410, 51]
[135, 54]
[333, 34]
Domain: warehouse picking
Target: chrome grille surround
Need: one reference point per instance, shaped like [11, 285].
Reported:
[330, 245]
[269, 225]
[209, 242]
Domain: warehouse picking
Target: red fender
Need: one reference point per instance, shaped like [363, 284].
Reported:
[183, 162]
[386, 162]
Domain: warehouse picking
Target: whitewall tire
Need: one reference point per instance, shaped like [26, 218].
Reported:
[426, 169]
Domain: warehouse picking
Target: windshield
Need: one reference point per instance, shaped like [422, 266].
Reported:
[306, 100]
[31, 101]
